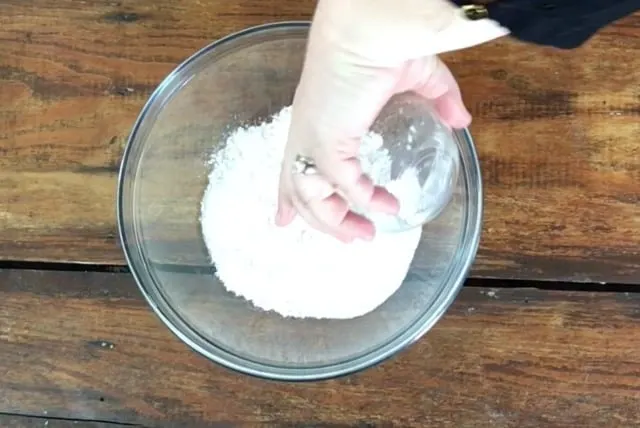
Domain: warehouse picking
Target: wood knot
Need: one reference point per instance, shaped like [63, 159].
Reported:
[122, 17]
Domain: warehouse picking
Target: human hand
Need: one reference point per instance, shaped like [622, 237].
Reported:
[359, 54]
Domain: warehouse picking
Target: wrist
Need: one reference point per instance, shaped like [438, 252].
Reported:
[385, 33]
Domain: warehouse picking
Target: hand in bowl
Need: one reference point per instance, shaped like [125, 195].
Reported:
[360, 53]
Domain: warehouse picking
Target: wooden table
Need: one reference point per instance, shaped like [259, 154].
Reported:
[547, 334]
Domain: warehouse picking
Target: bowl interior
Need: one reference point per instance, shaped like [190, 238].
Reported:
[239, 81]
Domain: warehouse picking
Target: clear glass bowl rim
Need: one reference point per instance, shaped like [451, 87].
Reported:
[465, 254]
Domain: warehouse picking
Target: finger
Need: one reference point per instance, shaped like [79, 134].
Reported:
[442, 88]
[359, 190]
[383, 201]
[356, 187]
[372, 197]
[286, 211]
[452, 111]
[332, 215]
[329, 211]
[350, 227]
[358, 225]
[309, 217]
[311, 187]
[316, 201]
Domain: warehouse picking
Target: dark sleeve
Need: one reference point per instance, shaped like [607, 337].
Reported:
[564, 24]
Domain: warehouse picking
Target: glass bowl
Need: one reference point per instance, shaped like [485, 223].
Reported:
[240, 80]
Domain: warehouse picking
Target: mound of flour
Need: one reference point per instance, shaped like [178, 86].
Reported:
[295, 271]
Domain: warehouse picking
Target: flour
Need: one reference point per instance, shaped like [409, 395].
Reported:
[297, 271]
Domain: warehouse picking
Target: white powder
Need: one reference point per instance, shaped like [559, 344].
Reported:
[295, 271]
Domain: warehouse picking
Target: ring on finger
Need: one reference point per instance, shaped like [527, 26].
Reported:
[304, 165]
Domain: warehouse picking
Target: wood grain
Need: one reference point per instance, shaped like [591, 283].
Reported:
[557, 132]
[86, 346]
[17, 421]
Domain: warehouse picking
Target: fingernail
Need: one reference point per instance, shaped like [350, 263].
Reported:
[453, 112]
[368, 237]
[344, 239]
[466, 118]
[280, 218]
[284, 215]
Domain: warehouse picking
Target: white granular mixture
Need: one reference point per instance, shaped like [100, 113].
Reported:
[296, 271]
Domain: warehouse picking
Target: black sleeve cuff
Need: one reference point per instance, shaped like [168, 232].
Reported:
[564, 24]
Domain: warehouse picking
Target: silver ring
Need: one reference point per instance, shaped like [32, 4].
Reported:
[304, 165]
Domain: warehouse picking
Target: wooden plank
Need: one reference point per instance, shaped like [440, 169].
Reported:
[85, 346]
[556, 131]
[17, 421]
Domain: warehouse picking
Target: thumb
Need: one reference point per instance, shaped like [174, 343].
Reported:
[286, 211]
[441, 87]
